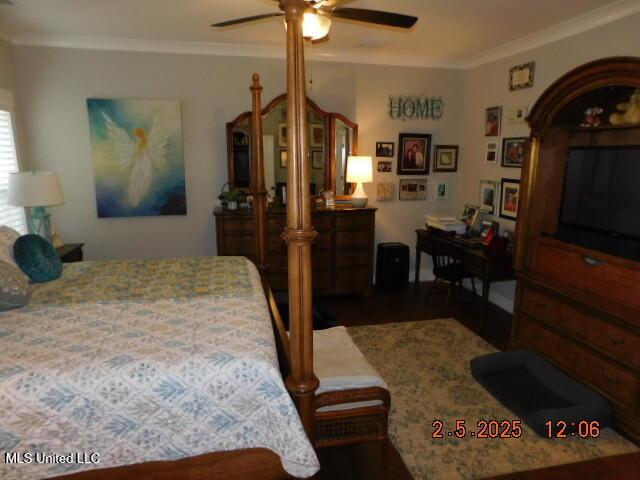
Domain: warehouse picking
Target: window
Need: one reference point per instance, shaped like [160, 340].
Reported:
[10, 216]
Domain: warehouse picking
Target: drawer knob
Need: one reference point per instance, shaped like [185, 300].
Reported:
[593, 262]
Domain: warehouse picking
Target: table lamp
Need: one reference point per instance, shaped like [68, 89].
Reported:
[359, 171]
[36, 190]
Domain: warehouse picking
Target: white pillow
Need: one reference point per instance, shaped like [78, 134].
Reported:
[8, 237]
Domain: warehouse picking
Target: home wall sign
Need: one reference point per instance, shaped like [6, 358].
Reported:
[415, 107]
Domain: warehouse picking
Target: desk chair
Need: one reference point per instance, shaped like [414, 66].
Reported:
[445, 264]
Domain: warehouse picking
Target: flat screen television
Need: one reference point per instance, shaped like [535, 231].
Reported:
[601, 199]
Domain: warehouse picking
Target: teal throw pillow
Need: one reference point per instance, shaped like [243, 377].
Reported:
[37, 258]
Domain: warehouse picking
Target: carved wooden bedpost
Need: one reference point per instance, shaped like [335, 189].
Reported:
[258, 189]
[299, 234]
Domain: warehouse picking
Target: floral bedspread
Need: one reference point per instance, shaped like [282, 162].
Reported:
[130, 362]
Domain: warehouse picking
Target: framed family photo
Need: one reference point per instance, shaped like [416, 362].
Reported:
[492, 122]
[509, 198]
[414, 151]
[513, 150]
[384, 166]
[488, 193]
[491, 155]
[317, 135]
[413, 189]
[385, 149]
[446, 158]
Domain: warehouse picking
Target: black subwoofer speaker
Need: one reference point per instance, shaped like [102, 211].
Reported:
[392, 265]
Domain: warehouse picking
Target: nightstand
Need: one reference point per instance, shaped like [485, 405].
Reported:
[70, 252]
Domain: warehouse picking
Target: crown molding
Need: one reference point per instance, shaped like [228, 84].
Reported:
[582, 23]
[588, 21]
[220, 49]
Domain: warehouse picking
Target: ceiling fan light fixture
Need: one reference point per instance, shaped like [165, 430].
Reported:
[314, 26]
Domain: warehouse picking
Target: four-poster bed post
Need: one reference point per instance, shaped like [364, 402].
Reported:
[258, 188]
[299, 234]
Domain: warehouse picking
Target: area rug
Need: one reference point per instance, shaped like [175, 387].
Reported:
[426, 365]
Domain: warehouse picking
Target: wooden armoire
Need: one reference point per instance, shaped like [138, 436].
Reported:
[577, 306]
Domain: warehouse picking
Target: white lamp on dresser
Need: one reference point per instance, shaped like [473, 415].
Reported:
[359, 171]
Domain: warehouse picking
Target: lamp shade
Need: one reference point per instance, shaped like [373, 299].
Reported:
[34, 189]
[314, 26]
[359, 169]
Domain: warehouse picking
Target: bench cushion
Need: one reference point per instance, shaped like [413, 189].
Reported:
[338, 363]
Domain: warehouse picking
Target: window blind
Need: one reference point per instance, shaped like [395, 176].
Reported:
[10, 216]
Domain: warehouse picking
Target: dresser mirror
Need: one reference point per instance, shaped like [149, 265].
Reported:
[332, 138]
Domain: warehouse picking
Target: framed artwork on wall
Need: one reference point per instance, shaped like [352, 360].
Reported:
[446, 158]
[518, 115]
[385, 191]
[493, 122]
[414, 153]
[317, 135]
[413, 189]
[488, 193]
[384, 166]
[522, 76]
[385, 149]
[317, 159]
[509, 198]
[138, 159]
[442, 191]
[491, 155]
[283, 159]
[282, 135]
[513, 150]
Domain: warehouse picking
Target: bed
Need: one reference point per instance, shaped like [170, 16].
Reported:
[184, 333]
[143, 361]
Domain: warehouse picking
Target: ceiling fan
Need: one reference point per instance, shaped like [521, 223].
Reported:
[317, 20]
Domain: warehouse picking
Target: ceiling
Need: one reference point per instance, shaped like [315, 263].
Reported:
[448, 33]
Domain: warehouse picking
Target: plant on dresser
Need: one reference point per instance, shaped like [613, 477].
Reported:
[577, 305]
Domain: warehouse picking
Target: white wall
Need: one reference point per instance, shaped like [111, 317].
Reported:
[55, 83]
[7, 69]
[487, 86]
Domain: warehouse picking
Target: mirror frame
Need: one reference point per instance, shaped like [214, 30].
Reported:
[329, 146]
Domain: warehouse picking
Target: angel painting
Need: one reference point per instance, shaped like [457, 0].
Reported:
[138, 158]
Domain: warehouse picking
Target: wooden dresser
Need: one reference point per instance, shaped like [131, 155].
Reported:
[577, 306]
[342, 253]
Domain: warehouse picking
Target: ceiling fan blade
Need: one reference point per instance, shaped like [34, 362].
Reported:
[373, 16]
[238, 21]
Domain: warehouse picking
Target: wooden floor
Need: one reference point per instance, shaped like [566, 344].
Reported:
[383, 462]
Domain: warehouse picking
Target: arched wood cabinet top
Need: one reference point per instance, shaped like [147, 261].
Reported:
[614, 71]
[245, 116]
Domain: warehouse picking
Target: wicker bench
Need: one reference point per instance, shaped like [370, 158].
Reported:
[352, 401]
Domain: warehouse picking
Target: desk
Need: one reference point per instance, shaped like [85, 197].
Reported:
[475, 261]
